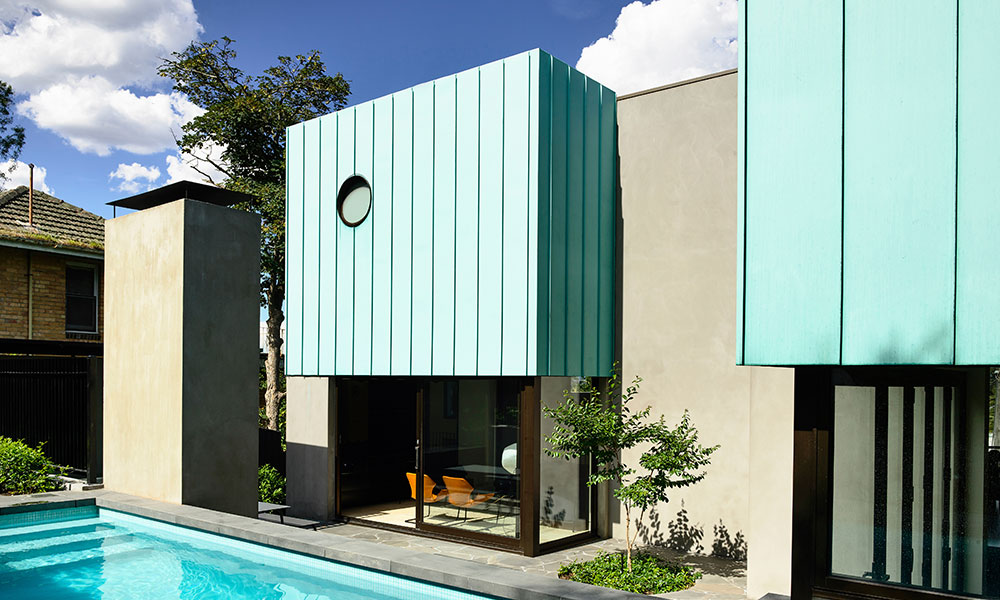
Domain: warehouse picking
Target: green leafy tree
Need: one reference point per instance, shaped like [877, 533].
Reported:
[602, 426]
[11, 136]
[246, 116]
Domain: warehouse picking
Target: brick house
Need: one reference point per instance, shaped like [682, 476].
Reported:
[51, 275]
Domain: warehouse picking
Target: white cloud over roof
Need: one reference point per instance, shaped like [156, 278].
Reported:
[663, 42]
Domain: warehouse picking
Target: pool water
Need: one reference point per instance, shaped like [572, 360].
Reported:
[86, 552]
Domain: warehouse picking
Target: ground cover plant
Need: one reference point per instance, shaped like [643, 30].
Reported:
[26, 470]
[649, 574]
[270, 485]
[601, 425]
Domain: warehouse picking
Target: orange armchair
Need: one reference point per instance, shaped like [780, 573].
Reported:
[461, 494]
[429, 485]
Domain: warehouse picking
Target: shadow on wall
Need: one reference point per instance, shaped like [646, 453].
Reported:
[681, 535]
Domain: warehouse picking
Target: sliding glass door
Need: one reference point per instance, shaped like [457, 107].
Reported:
[470, 457]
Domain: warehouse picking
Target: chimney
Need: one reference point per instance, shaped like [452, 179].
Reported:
[31, 193]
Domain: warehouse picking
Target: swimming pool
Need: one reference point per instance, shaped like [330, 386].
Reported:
[88, 552]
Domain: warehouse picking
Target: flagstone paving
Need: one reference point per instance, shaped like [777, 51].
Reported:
[722, 580]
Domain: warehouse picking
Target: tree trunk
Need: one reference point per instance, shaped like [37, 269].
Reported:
[628, 539]
[275, 317]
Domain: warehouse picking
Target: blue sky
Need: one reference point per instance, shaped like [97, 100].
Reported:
[99, 120]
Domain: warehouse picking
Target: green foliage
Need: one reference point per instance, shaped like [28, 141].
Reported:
[246, 116]
[11, 137]
[603, 425]
[270, 485]
[649, 575]
[26, 470]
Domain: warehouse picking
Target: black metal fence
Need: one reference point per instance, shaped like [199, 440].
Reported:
[54, 400]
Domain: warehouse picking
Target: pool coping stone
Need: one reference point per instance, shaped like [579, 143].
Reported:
[436, 569]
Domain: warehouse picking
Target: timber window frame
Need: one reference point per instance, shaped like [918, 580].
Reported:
[82, 298]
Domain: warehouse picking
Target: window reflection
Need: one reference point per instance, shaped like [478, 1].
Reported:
[916, 488]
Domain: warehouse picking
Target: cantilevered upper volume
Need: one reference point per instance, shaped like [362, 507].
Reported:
[465, 226]
[869, 184]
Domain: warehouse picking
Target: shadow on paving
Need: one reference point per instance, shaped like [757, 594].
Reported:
[710, 565]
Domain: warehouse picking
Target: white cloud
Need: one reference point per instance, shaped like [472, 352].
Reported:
[95, 116]
[182, 167]
[82, 62]
[20, 176]
[120, 40]
[133, 175]
[662, 42]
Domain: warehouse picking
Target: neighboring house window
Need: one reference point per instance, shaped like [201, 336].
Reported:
[81, 299]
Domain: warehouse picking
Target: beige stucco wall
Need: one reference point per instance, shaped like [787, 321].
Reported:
[181, 355]
[678, 153]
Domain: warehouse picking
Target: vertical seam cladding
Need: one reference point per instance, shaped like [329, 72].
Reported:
[354, 241]
[503, 196]
[302, 251]
[565, 311]
[843, 168]
[371, 286]
[600, 160]
[527, 228]
[548, 262]
[583, 230]
[744, 47]
[479, 180]
[413, 133]
[392, 220]
[336, 242]
[319, 239]
[433, 205]
[454, 228]
[954, 303]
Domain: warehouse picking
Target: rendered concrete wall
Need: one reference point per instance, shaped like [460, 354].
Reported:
[181, 355]
[310, 437]
[677, 152]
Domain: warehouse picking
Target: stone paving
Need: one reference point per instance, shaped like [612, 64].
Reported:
[722, 580]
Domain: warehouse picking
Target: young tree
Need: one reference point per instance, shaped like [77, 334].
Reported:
[11, 136]
[602, 426]
[246, 116]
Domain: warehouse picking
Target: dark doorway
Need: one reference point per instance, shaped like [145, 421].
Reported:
[377, 447]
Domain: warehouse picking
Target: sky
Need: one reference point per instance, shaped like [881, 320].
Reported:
[100, 123]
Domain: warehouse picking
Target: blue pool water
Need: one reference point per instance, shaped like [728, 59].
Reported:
[86, 552]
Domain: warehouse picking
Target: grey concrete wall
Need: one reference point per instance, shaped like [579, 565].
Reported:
[221, 357]
[678, 169]
[310, 437]
[181, 355]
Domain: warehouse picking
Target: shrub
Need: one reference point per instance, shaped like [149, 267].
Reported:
[26, 470]
[649, 574]
[270, 485]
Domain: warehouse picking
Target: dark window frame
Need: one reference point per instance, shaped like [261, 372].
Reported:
[812, 490]
[75, 328]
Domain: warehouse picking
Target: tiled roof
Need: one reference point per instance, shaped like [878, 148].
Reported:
[55, 223]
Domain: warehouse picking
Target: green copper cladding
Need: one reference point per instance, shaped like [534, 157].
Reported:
[489, 246]
[868, 196]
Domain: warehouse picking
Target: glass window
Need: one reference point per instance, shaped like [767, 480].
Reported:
[81, 299]
[564, 506]
[354, 201]
[912, 473]
[470, 453]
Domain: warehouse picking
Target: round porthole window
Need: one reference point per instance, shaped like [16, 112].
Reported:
[354, 201]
